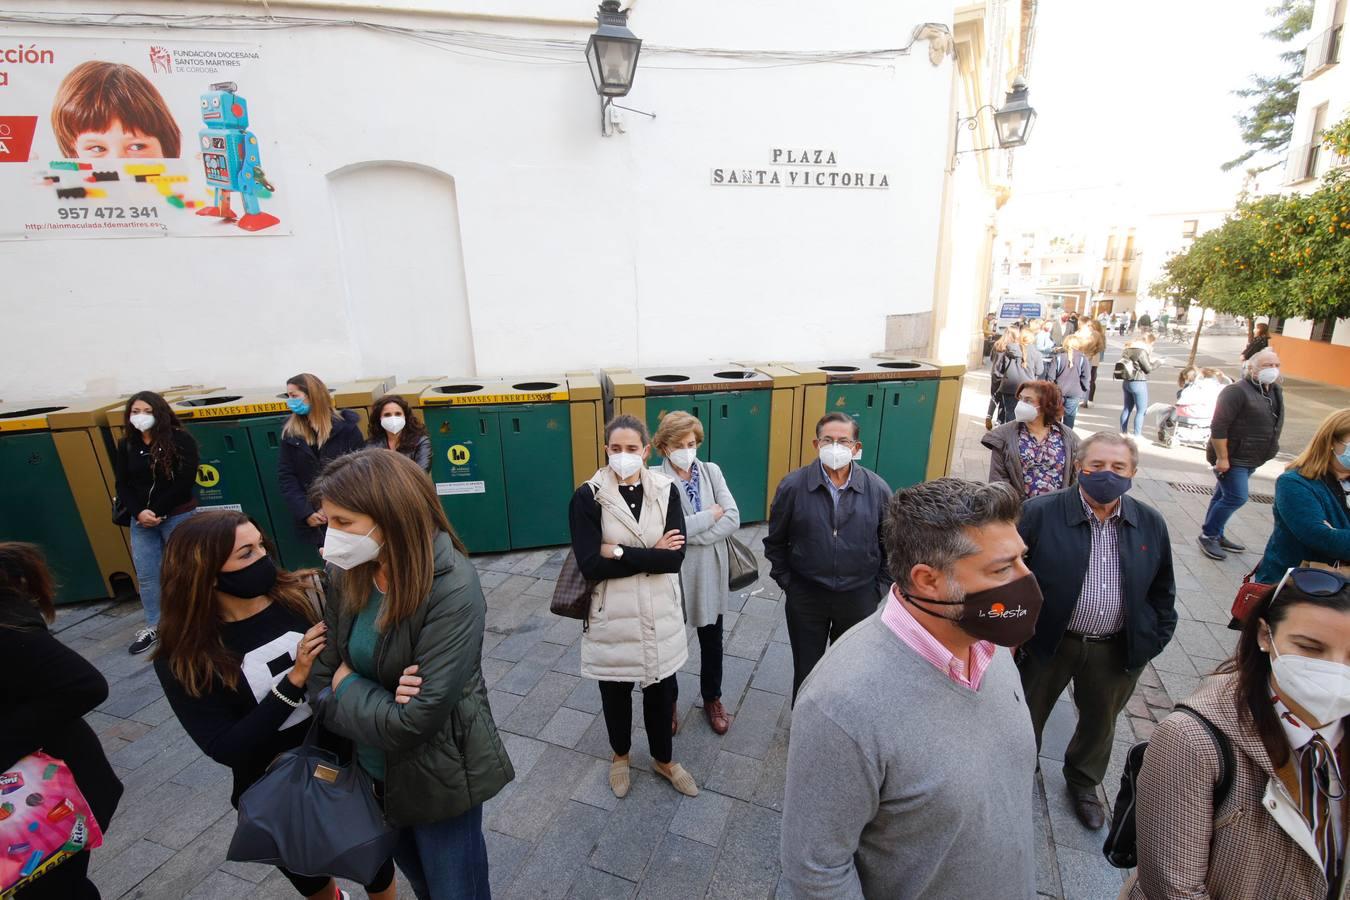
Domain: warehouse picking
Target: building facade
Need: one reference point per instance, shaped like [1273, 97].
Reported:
[780, 185]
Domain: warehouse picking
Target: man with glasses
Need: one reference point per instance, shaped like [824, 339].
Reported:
[825, 547]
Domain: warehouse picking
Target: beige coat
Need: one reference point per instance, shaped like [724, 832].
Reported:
[636, 628]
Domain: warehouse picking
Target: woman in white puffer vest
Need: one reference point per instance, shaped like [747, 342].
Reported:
[628, 537]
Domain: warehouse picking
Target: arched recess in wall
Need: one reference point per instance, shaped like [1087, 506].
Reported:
[403, 268]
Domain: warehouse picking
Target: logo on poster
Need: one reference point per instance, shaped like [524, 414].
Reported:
[161, 60]
[16, 138]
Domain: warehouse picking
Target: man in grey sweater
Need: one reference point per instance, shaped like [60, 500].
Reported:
[912, 761]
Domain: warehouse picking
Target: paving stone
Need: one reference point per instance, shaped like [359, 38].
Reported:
[593, 787]
[131, 695]
[197, 860]
[521, 678]
[761, 606]
[593, 884]
[522, 639]
[748, 866]
[1058, 730]
[541, 794]
[136, 817]
[736, 675]
[585, 696]
[502, 704]
[1085, 876]
[750, 636]
[219, 886]
[119, 874]
[540, 704]
[156, 713]
[702, 818]
[775, 670]
[567, 727]
[773, 775]
[150, 745]
[560, 854]
[1047, 866]
[636, 827]
[192, 816]
[679, 869]
[570, 662]
[505, 857]
[756, 722]
[595, 742]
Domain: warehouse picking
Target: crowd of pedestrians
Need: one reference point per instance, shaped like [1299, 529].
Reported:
[950, 617]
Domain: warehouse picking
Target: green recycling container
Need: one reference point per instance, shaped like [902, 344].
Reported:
[893, 402]
[502, 459]
[56, 490]
[733, 403]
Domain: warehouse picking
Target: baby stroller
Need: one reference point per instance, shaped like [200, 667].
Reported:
[1187, 421]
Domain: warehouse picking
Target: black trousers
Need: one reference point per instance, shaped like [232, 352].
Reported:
[710, 660]
[309, 885]
[658, 705]
[817, 616]
[1092, 386]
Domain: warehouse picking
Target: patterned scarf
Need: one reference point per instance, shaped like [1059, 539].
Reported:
[691, 487]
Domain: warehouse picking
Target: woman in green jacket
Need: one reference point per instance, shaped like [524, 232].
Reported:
[405, 595]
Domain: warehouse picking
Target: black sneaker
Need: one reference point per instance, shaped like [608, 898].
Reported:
[1234, 546]
[1210, 547]
[145, 639]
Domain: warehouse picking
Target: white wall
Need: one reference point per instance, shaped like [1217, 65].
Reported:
[577, 250]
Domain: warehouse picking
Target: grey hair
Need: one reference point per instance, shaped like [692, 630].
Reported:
[1107, 437]
[926, 524]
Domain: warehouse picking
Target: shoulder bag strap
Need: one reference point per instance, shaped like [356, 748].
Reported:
[1227, 764]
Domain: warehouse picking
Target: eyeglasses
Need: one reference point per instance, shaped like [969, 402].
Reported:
[845, 443]
[1313, 582]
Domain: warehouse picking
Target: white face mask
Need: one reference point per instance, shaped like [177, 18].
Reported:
[682, 458]
[625, 465]
[1025, 412]
[393, 424]
[347, 551]
[836, 457]
[1320, 686]
[142, 421]
[1268, 376]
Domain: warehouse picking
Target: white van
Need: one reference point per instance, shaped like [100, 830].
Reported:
[1011, 309]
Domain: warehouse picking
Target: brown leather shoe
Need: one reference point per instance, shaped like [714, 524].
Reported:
[1088, 808]
[717, 716]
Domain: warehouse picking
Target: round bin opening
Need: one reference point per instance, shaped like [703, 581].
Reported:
[898, 365]
[839, 368]
[457, 388]
[536, 386]
[35, 411]
[736, 374]
[209, 401]
[668, 379]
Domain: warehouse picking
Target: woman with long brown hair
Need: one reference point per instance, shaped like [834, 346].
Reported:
[155, 466]
[1279, 704]
[405, 595]
[46, 689]
[393, 426]
[238, 639]
[313, 436]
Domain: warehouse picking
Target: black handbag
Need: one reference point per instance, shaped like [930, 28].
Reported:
[742, 567]
[313, 815]
[121, 516]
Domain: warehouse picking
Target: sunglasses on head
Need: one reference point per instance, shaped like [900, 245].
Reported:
[1313, 582]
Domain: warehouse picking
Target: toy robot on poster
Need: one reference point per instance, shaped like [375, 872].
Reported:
[232, 158]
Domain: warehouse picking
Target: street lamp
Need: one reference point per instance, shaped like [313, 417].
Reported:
[1012, 121]
[612, 52]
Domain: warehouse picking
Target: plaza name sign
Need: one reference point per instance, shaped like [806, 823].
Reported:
[801, 168]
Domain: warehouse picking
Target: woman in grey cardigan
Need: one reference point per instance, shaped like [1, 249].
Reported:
[1034, 452]
[710, 517]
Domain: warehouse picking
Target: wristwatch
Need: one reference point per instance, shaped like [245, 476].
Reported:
[618, 552]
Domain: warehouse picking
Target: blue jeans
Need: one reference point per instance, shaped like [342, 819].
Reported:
[1230, 493]
[1136, 401]
[147, 552]
[1070, 410]
[446, 860]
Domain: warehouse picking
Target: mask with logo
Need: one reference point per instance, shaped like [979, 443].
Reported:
[142, 421]
[254, 580]
[298, 405]
[1267, 377]
[1320, 686]
[1025, 412]
[625, 465]
[1005, 615]
[835, 457]
[1104, 486]
[393, 424]
[347, 551]
[683, 458]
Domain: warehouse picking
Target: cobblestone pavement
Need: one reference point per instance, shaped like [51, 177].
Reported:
[557, 831]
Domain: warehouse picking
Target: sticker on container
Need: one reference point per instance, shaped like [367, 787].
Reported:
[459, 455]
[231, 506]
[207, 476]
[447, 488]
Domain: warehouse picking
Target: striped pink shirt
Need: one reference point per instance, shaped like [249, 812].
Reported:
[910, 630]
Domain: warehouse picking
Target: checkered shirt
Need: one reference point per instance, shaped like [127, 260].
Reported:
[1101, 603]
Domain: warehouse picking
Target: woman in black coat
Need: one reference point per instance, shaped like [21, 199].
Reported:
[45, 690]
[1260, 341]
[314, 435]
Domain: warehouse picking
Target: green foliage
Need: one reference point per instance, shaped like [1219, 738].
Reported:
[1282, 255]
[1268, 125]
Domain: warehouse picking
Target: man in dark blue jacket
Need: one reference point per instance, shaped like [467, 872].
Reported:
[1103, 560]
[825, 547]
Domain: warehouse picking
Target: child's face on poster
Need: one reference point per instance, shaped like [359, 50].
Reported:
[117, 142]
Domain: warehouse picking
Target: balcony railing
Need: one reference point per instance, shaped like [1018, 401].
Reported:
[1303, 163]
[1323, 51]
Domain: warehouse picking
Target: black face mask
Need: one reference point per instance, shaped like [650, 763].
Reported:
[254, 580]
[1005, 615]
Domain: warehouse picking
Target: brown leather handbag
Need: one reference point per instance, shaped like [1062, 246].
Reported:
[572, 593]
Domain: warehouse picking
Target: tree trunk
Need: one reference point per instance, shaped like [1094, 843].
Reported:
[1251, 328]
[1195, 343]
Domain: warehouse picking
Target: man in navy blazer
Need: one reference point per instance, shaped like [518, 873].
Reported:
[1103, 560]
